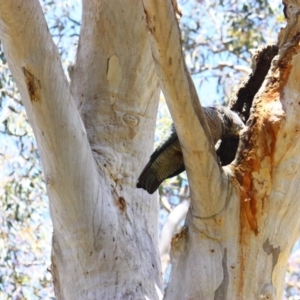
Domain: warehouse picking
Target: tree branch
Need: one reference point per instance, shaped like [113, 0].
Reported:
[35, 64]
[96, 213]
[180, 93]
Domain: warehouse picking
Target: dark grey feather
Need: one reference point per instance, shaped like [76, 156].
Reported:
[167, 160]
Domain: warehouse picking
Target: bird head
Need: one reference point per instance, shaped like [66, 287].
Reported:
[233, 124]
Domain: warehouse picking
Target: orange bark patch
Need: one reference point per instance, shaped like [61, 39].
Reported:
[254, 169]
[249, 203]
[33, 86]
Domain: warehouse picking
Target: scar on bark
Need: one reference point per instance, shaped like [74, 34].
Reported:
[122, 204]
[33, 86]
[179, 241]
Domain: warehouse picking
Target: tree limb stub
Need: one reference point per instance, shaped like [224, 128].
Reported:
[185, 108]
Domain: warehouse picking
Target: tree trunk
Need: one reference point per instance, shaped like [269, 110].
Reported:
[96, 134]
[105, 239]
[243, 220]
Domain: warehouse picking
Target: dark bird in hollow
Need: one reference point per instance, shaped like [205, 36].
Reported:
[167, 160]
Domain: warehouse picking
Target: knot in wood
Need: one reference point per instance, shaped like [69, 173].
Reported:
[131, 120]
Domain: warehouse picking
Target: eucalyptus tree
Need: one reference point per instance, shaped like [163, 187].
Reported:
[95, 134]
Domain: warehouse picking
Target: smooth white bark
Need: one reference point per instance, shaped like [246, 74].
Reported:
[35, 65]
[105, 230]
[207, 181]
[95, 139]
[240, 252]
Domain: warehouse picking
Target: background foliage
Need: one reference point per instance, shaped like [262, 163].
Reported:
[218, 36]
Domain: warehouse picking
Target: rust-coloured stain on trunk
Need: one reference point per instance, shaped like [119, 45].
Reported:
[256, 156]
[33, 86]
[249, 202]
[258, 144]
